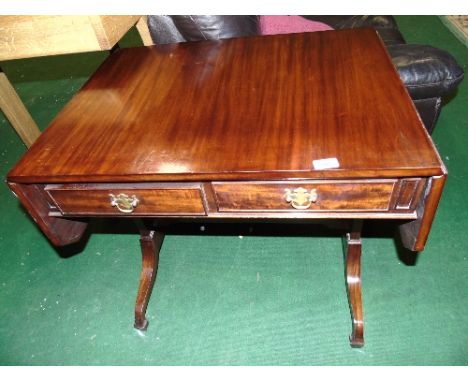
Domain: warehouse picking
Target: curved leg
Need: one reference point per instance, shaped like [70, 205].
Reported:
[353, 283]
[150, 242]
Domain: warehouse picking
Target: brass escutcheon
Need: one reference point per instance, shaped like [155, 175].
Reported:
[300, 198]
[124, 203]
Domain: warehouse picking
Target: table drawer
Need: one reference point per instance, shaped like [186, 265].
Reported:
[161, 199]
[304, 196]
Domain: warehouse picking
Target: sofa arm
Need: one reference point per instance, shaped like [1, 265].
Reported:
[427, 72]
[385, 26]
[344, 22]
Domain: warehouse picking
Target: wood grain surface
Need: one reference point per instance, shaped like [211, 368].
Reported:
[257, 107]
[157, 200]
[353, 282]
[341, 196]
[43, 35]
[14, 109]
[414, 234]
[59, 231]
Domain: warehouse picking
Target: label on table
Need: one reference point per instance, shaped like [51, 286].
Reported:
[323, 164]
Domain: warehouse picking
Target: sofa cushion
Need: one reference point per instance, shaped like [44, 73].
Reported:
[270, 25]
[426, 71]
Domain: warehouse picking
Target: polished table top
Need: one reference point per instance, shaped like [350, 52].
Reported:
[257, 107]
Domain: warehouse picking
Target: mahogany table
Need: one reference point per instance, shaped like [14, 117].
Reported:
[276, 128]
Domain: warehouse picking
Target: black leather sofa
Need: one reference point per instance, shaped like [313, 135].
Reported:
[428, 73]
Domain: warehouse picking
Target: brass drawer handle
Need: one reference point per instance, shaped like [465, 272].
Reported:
[300, 198]
[124, 203]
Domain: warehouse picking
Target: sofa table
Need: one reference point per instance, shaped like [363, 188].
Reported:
[298, 127]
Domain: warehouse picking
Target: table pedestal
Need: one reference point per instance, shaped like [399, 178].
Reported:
[151, 242]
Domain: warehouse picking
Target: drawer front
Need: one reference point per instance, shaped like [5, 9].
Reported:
[126, 200]
[304, 196]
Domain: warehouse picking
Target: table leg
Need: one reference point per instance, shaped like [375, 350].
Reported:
[16, 112]
[142, 27]
[150, 242]
[353, 283]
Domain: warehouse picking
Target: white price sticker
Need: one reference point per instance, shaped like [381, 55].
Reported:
[323, 164]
